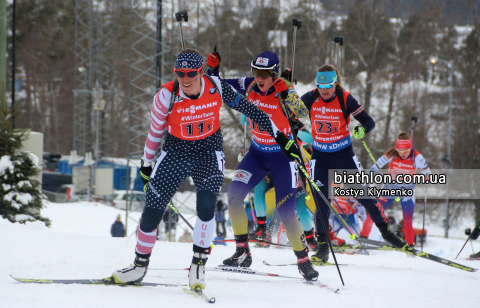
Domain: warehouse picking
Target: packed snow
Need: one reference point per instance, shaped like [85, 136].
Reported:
[79, 245]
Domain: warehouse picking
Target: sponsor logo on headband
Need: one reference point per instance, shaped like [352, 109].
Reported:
[262, 61]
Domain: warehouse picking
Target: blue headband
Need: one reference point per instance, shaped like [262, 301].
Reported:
[189, 60]
[326, 77]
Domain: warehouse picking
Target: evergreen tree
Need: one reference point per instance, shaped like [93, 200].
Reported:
[20, 195]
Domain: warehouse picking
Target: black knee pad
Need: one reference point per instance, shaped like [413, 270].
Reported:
[206, 201]
[151, 218]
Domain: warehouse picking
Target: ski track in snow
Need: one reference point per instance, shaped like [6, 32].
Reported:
[78, 245]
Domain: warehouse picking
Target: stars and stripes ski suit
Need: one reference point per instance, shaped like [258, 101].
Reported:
[193, 147]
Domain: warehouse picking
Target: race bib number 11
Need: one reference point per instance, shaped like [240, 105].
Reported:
[197, 129]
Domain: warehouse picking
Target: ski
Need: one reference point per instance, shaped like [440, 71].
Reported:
[316, 263]
[231, 269]
[255, 241]
[248, 271]
[199, 293]
[104, 281]
[418, 253]
[323, 286]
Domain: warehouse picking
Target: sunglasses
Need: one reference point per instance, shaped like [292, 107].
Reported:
[325, 86]
[263, 73]
[190, 73]
[403, 151]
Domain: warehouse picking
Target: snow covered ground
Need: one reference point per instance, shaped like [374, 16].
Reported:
[78, 245]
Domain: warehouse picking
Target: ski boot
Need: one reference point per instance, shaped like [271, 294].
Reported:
[312, 243]
[321, 255]
[242, 256]
[261, 233]
[305, 267]
[196, 274]
[336, 241]
[392, 238]
[134, 273]
[475, 256]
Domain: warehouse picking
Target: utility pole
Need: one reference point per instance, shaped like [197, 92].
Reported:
[3, 52]
[13, 62]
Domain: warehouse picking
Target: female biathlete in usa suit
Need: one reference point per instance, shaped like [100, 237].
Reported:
[332, 148]
[264, 157]
[193, 147]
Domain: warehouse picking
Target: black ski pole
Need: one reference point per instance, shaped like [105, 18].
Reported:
[424, 211]
[297, 24]
[469, 237]
[414, 120]
[182, 15]
[179, 214]
[301, 166]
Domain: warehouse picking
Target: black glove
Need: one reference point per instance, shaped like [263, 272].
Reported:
[476, 231]
[289, 148]
[287, 74]
[297, 125]
[145, 174]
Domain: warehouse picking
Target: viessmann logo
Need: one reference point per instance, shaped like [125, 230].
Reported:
[323, 110]
[402, 165]
[194, 108]
[260, 104]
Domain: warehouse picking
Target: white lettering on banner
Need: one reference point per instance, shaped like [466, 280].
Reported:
[260, 104]
[325, 110]
[242, 176]
[333, 138]
[338, 145]
[197, 116]
[324, 117]
[193, 108]
[271, 140]
[398, 164]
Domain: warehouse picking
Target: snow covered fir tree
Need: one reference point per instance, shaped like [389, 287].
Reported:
[21, 197]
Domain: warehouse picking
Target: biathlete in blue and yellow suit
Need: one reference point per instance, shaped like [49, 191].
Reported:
[264, 157]
[332, 149]
[262, 232]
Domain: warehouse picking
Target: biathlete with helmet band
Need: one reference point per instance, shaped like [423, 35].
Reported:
[266, 90]
[402, 159]
[187, 111]
[262, 231]
[330, 107]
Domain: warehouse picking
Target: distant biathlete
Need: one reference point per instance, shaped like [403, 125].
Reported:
[401, 159]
